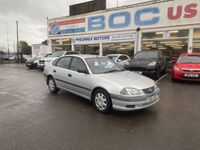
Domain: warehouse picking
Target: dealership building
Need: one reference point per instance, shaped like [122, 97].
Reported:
[172, 26]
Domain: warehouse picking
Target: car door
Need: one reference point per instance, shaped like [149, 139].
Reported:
[60, 71]
[79, 78]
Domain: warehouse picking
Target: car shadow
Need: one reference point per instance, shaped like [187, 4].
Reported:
[86, 105]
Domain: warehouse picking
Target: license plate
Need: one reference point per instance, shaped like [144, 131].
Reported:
[139, 72]
[152, 98]
[192, 75]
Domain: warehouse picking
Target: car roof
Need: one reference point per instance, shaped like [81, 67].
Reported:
[190, 54]
[114, 54]
[149, 51]
[84, 56]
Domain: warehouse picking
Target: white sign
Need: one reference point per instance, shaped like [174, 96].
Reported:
[104, 38]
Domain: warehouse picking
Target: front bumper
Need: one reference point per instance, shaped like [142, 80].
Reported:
[129, 103]
[143, 71]
[181, 76]
[41, 66]
[31, 64]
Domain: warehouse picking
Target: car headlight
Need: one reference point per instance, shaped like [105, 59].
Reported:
[130, 91]
[176, 68]
[156, 86]
[152, 63]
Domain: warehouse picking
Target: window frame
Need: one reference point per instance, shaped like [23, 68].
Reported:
[73, 57]
[56, 63]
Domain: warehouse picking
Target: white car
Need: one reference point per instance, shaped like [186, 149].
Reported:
[33, 63]
[52, 57]
[121, 59]
[102, 81]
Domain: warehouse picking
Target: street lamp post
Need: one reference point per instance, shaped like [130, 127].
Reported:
[17, 42]
[8, 44]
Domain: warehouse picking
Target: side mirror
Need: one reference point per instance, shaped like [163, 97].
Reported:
[174, 61]
[82, 71]
[119, 60]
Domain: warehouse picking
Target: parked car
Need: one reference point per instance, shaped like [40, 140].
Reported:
[121, 59]
[148, 63]
[52, 57]
[187, 67]
[25, 58]
[33, 63]
[102, 81]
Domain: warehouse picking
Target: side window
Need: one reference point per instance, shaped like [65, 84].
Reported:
[122, 58]
[77, 64]
[64, 62]
[125, 58]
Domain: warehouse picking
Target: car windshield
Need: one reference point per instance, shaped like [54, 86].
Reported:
[103, 65]
[57, 54]
[113, 57]
[146, 55]
[189, 59]
[39, 57]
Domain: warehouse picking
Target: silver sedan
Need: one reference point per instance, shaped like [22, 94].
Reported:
[102, 81]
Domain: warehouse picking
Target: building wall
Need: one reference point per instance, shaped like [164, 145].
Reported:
[165, 21]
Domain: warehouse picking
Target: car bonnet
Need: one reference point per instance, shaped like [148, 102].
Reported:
[127, 79]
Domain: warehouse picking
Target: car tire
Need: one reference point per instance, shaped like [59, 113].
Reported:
[30, 67]
[102, 101]
[52, 85]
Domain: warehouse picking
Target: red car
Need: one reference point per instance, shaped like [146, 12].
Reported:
[187, 67]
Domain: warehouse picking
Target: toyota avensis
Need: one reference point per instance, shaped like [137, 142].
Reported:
[102, 81]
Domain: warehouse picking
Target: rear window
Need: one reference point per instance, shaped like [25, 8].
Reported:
[189, 59]
[112, 57]
[57, 54]
[146, 55]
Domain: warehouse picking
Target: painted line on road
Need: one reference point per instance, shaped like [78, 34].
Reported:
[161, 78]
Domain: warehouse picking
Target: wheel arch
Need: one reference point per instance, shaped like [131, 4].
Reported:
[48, 77]
[96, 88]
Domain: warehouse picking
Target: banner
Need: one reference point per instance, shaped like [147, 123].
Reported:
[163, 14]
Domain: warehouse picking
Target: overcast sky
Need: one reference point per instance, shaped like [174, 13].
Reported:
[32, 14]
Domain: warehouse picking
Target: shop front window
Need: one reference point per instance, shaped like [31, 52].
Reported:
[88, 49]
[172, 43]
[119, 48]
[196, 40]
[61, 45]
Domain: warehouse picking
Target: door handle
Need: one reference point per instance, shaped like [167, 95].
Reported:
[54, 70]
[69, 75]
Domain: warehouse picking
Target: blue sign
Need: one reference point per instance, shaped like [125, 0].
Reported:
[99, 22]
[54, 28]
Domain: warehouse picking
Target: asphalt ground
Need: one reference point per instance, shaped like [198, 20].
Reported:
[33, 119]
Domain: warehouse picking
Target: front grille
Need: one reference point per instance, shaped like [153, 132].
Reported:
[149, 90]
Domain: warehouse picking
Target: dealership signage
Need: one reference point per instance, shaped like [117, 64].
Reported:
[104, 38]
[169, 13]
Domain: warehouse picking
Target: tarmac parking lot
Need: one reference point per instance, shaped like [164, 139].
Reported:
[33, 119]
